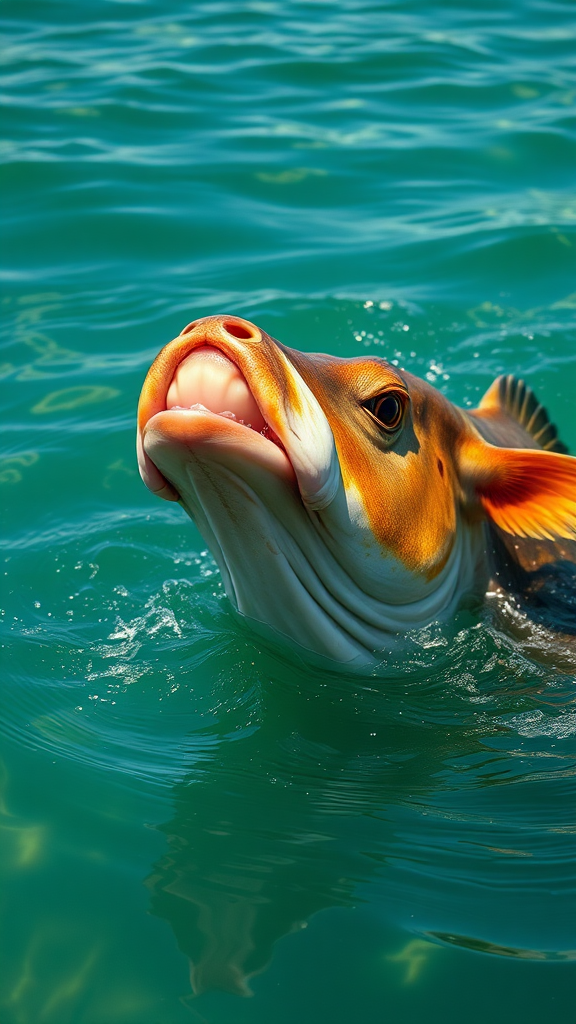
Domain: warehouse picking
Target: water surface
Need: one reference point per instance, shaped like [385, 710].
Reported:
[184, 810]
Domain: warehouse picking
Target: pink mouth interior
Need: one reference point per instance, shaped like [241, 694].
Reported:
[208, 379]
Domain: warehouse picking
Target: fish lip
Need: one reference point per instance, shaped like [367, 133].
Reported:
[194, 417]
[205, 436]
[226, 414]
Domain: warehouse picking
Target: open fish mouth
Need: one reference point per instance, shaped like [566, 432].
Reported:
[209, 381]
[197, 394]
[223, 389]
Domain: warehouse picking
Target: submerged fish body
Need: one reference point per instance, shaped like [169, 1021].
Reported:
[345, 500]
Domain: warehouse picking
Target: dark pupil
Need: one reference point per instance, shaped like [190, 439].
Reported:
[387, 410]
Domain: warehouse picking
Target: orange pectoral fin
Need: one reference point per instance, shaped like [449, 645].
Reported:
[526, 492]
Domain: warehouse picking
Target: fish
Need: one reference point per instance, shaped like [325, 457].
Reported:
[347, 502]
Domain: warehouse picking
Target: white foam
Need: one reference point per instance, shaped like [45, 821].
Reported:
[537, 723]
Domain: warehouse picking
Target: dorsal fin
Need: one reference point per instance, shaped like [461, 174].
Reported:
[511, 395]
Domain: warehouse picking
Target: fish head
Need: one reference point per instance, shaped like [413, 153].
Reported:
[338, 496]
[323, 486]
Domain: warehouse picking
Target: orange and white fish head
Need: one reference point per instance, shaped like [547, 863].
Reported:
[343, 499]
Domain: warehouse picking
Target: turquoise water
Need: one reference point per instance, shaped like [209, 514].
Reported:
[393, 178]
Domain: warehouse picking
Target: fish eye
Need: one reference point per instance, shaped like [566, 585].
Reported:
[388, 409]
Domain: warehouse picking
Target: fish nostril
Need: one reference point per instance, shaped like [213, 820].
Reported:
[188, 327]
[238, 331]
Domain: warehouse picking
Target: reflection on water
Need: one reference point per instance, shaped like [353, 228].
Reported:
[490, 947]
[337, 799]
